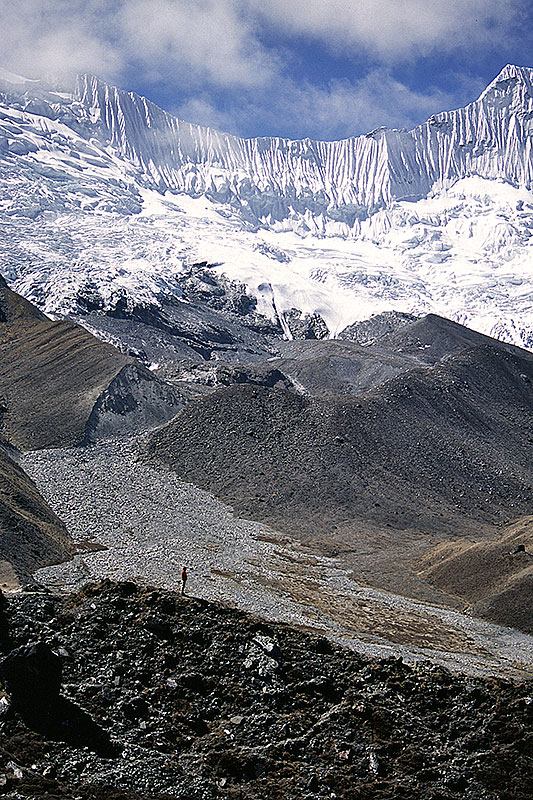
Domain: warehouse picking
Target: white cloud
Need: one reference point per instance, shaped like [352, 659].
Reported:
[219, 41]
[345, 108]
[57, 37]
[338, 110]
[212, 40]
[206, 50]
[392, 29]
[179, 41]
[202, 110]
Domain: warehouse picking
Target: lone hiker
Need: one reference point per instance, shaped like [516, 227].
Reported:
[183, 579]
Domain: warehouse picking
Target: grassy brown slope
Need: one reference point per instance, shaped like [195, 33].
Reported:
[31, 536]
[496, 582]
[51, 374]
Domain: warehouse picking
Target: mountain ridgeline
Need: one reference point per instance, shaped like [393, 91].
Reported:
[345, 180]
[110, 201]
[271, 179]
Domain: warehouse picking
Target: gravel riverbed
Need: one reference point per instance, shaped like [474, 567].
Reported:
[151, 524]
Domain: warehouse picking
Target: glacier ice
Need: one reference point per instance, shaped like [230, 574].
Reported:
[100, 185]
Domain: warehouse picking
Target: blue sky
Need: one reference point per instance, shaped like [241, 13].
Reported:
[320, 68]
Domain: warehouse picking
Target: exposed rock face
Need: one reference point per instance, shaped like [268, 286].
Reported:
[201, 701]
[134, 401]
[371, 330]
[305, 326]
[206, 318]
[207, 327]
[200, 284]
[32, 675]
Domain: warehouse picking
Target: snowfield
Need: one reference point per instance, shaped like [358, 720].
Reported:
[102, 190]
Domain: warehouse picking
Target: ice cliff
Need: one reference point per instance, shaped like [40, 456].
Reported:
[102, 189]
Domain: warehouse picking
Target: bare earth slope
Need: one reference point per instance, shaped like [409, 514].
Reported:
[31, 536]
[339, 367]
[428, 447]
[55, 377]
[432, 338]
[431, 455]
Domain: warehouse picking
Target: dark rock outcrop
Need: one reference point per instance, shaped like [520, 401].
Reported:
[232, 707]
[32, 675]
[305, 326]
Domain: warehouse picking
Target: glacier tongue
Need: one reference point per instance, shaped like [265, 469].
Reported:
[100, 187]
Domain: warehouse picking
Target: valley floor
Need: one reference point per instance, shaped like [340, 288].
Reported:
[134, 522]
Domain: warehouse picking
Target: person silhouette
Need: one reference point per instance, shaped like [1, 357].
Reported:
[183, 579]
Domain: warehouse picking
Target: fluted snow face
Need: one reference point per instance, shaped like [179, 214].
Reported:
[102, 186]
[267, 176]
[344, 180]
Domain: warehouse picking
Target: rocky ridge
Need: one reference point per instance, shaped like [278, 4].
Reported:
[157, 696]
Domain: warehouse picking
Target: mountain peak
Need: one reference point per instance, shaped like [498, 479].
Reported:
[513, 71]
[509, 79]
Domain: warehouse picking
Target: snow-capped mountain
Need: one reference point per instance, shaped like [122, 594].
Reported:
[272, 177]
[102, 188]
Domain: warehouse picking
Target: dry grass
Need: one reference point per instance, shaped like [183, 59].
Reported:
[497, 583]
[368, 619]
